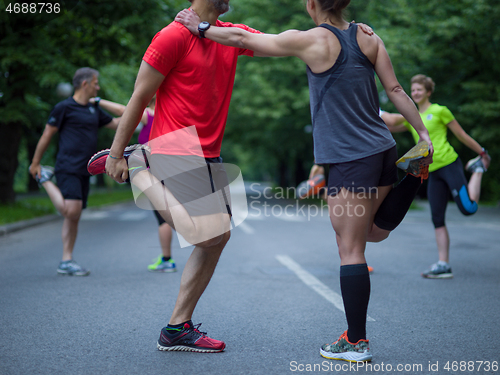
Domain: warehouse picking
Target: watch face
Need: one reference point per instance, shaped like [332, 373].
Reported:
[204, 25]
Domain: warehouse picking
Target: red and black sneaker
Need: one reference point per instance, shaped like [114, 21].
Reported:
[97, 163]
[189, 339]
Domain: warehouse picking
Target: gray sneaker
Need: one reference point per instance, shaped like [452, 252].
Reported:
[475, 165]
[71, 268]
[46, 174]
[438, 271]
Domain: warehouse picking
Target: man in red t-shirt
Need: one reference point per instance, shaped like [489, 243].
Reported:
[193, 79]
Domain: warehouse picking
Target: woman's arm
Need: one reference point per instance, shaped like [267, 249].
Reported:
[117, 109]
[470, 142]
[396, 94]
[288, 43]
[394, 122]
[112, 107]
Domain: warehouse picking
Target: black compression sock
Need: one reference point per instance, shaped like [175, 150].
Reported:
[397, 203]
[165, 259]
[355, 287]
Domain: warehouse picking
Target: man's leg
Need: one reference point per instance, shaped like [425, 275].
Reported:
[181, 334]
[195, 278]
[194, 229]
[73, 211]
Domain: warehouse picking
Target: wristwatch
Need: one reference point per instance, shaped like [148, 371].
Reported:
[97, 100]
[202, 27]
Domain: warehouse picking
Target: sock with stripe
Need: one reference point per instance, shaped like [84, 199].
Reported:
[175, 329]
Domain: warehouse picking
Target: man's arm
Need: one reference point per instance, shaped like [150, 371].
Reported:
[41, 147]
[147, 83]
[270, 45]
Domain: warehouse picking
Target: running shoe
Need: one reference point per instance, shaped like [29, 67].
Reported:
[438, 271]
[411, 162]
[97, 163]
[46, 174]
[475, 165]
[162, 266]
[344, 350]
[71, 268]
[189, 339]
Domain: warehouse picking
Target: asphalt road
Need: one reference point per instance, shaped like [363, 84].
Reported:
[273, 299]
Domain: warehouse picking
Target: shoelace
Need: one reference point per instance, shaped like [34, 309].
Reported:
[195, 328]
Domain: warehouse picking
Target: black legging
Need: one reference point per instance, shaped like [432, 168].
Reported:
[441, 182]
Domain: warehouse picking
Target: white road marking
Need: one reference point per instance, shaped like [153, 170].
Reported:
[94, 215]
[314, 283]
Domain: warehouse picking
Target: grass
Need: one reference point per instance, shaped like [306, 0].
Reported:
[30, 208]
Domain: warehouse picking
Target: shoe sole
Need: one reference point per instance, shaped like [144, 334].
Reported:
[183, 348]
[97, 162]
[471, 162]
[366, 356]
[442, 276]
[311, 187]
[419, 151]
[62, 273]
[162, 271]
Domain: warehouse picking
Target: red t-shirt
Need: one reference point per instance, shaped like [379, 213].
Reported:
[199, 76]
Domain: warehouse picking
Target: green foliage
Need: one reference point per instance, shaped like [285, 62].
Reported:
[270, 106]
[29, 208]
[35, 56]
[455, 42]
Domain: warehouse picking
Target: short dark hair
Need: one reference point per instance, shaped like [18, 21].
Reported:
[425, 81]
[83, 74]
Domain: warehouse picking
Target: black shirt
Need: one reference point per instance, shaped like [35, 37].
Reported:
[77, 125]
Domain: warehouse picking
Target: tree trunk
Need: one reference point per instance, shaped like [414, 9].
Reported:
[31, 147]
[9, 147]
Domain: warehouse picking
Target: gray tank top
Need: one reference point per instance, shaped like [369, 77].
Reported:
[345, 106]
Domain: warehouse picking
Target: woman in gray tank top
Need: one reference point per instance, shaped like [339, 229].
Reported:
[350, 136]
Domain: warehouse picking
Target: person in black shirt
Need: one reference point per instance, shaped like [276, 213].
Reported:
[77, 121]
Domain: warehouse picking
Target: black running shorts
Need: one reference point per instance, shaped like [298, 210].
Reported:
[364, 174]
[74, 186]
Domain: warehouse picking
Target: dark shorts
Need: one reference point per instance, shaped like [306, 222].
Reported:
[74, 186]
[200, 185]
[363, 175]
